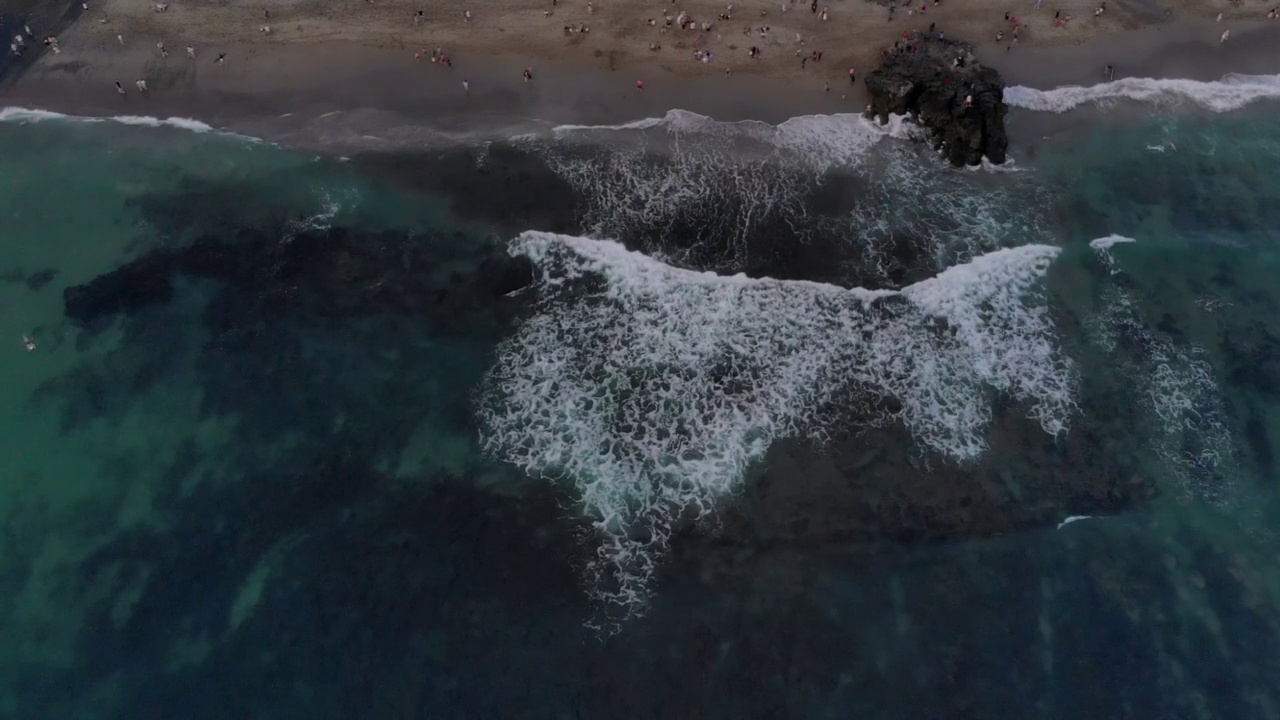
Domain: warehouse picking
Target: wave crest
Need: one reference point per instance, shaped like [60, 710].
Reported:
[649, 390]
[1232, 92]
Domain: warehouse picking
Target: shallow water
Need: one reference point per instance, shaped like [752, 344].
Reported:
[300, 437]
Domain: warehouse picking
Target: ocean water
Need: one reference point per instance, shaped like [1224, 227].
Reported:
[677, 418]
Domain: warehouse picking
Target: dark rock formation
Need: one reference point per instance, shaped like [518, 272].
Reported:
[941, 84]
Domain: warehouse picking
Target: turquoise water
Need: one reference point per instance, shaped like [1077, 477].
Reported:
[249, 468]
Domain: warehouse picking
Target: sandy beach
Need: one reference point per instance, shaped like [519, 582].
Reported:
[319, 59]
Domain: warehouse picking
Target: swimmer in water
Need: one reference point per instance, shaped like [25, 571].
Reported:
[28, 343]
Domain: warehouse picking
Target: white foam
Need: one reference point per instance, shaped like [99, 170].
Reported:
[719, 181]
[946, 217]
[25, 115]
[822, 140]
[649, 390]
[1177, 386]
[1102, 246]
[1110, 241]
[1232, 92]
[1073, 518]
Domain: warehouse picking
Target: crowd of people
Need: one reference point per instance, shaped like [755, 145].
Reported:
[701, 33]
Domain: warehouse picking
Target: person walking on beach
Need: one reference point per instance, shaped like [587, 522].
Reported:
[191, 52]
[119, 89]
[1111, 72]
[466, 87]
[1225, 34]
[222, 57]
[163, 52]
[528, 75]
[853, 76]
[142, 85]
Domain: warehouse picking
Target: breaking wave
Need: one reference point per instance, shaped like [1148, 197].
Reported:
[648, 390]
[1232, 92]
[17, 114]
[1102, 247]
[733, 193]
[714, 184]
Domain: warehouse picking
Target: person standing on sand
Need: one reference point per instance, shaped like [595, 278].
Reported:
[853, 76]
[466, 87]
[222, 57]
[191, 52]
[1111, 72]
[142, 85]
[1225, 34]
[119, 88]
[528, 75]
[163, 52]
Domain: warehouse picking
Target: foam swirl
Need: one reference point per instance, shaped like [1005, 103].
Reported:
[649, 390]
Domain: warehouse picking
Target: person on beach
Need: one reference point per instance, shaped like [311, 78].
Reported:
[466, 87]
[142, 85]
[119, 88]
[853, 76]
[163, 52]
[419, 17]
[191, 52]
[528, 75]
[1110, 72]
[120, 39]
[639, 84]
[222, 57]
[1225, 34]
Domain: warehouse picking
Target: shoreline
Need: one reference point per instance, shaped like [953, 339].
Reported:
[338, 96]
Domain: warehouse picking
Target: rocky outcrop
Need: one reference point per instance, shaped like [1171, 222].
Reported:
[943, 86]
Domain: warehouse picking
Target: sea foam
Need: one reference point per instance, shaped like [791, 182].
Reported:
[1232, 92]
[26, 115]
[1178, 390]
[17, 114]
[648, 390]
[721, 187]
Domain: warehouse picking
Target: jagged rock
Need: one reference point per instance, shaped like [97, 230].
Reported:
[943, 86]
